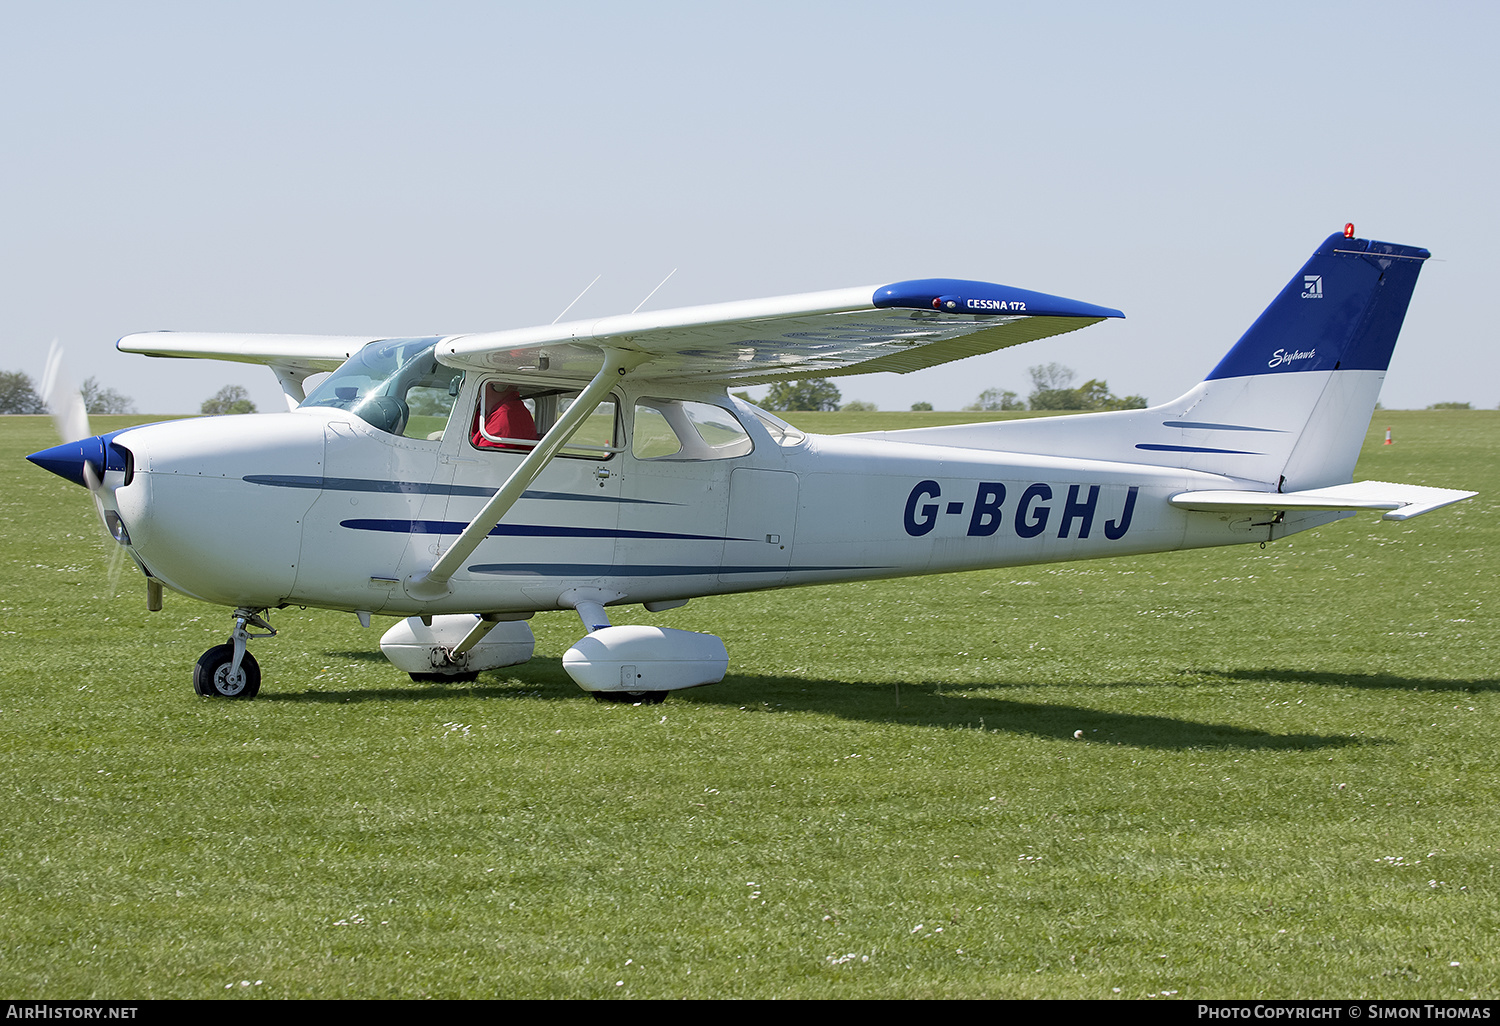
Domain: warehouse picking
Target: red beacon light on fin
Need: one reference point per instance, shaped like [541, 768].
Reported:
[1349, 230]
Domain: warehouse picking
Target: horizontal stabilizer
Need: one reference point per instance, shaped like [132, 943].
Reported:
[1401, 501]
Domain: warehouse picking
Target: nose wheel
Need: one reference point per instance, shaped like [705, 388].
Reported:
[229, 670]
[216, 676]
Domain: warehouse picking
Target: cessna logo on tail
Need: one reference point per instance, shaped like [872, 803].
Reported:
[1312, 286]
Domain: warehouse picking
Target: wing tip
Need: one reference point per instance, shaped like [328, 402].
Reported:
[961, 296]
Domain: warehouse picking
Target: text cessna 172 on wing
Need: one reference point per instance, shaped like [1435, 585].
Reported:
[466, 482]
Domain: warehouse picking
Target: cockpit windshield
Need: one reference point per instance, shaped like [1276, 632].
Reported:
[395, 385]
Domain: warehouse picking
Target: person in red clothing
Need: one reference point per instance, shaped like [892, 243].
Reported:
[508, 417]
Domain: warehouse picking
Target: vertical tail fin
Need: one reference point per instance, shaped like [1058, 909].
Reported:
[1342, 311]
[1312, 364]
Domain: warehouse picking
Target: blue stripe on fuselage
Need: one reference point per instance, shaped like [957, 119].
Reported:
[521, 530]
[1153, 447]
[361, 484]
[646, 570]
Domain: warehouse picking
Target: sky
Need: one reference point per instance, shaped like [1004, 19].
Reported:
[435, 168]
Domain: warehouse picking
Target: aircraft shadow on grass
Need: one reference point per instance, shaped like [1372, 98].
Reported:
[927, 703]
[1363, 681]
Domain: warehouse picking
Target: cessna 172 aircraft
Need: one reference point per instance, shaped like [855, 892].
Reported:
[466, 482]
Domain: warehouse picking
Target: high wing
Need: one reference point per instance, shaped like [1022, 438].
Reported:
[902, 327]
[292, 357]
[312, 353]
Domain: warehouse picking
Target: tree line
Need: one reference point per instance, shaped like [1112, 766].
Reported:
[1050, 390]
[18, 395]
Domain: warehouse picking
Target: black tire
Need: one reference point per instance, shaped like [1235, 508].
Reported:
[630, 697]
[468, 677]
[211, 675]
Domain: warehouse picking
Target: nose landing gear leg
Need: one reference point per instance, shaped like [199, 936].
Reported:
[229, 670]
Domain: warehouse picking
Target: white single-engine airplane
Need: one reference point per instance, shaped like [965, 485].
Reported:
[466, 482]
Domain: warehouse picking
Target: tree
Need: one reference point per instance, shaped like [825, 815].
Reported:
[1094, 394]
[810, 394]
[18, 394]
[1450, 406]
[921, 406]
[1050, 391]
[104, 400]
[229, 399]
[1050, 376]
[858, 406]
[1049, 388]
[993, 399]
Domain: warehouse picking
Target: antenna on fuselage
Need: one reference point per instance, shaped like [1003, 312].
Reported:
[655, 290]
[580, 296]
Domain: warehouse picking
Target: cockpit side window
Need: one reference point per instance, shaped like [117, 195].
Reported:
[431, 405]
[515, 417]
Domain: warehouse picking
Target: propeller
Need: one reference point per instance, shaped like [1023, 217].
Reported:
[83, 456]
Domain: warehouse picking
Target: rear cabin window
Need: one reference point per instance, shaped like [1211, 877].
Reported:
[673, 429]
[781, 432]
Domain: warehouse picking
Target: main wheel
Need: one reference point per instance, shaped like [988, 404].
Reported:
[211, 676]
[630, 697]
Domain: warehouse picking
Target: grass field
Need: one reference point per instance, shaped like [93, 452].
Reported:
[1287, 785]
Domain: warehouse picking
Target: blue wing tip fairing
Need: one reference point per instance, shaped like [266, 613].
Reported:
[957, 295]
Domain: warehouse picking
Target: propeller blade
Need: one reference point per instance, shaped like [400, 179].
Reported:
[63, 398]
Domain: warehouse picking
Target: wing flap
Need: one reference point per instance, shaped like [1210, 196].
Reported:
[1398, 501]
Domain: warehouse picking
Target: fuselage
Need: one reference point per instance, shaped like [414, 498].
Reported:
[317, 507]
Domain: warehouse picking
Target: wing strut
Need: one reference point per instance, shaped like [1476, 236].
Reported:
[434, 583]
[290, 379]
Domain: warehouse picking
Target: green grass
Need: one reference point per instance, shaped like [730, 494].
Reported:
[1286, 787]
